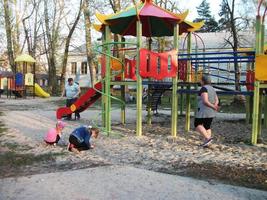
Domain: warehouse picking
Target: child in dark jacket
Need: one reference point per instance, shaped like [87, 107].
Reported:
[79, 139]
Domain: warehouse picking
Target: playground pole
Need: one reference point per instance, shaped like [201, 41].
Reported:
[138, 81]
[255, 122]
[174, 112]
[149, 99]
[262, 38]
[122, 55]
[188, 79]
[107, 83]
[103, 99]
[258, 35]
[262, 51]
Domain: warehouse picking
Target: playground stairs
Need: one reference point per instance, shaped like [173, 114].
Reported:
[18, 93]
[155, 97]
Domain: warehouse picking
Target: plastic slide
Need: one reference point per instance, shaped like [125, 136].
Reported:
[82, 103]
[40, 92]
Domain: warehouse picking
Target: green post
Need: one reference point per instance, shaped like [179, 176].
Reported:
[149, 110]
[248, 111]
[139, 81]
[174, 112]
[181, 102]
[195, 81]
[122, 55]
[255, 124]
[265, 112]
[264, 98]
[260, 113]
[248, 101]
[123, 99]
[258, 34]
[262, 30]
[256, 99]
[107, 83]
[188, 79]
[149, 99]
[104, 98]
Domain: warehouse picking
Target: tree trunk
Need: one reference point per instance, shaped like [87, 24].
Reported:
[66, 51]
[88, 38]
[16, 31]
[9, 35]
[235, 47]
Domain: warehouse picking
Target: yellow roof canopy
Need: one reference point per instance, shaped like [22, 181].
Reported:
[25, 58]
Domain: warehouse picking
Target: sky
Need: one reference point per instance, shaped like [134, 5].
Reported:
[214, 7]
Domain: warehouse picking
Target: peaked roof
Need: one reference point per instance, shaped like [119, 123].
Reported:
[155, 20]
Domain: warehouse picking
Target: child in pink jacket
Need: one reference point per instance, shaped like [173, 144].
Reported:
[54, 134]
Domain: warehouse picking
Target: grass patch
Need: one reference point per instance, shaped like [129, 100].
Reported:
[16, 146]
[11, 159]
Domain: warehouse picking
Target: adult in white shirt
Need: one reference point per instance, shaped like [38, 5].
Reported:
[72, 92]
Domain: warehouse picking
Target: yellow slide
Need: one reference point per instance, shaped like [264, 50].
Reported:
[40, 92]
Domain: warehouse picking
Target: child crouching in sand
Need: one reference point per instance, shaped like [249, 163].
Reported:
[80, 138]
[54, 134]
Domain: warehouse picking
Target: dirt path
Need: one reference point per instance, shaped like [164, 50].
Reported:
[119, 183]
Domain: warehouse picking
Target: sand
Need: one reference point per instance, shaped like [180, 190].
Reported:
[228, 160]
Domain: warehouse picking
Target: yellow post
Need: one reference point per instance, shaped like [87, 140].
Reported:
[188, 79]
[255, 124]
[138, 82]
[174, 89]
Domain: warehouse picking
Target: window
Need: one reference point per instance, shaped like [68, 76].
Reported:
[73, 68]
[84, 67]
[169, 63]
[158, 64]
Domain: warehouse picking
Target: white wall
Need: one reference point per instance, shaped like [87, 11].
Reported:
[83, 79]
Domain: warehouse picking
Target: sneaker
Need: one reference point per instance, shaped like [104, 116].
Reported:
[206, 143]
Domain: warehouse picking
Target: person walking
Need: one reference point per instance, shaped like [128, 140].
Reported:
[207, 106]
[72, 92]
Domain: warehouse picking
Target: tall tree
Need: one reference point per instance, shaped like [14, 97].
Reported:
[88, 39]
[204, 14]
[67, 45]
[234, 24]
[52, 30]
[9, 34]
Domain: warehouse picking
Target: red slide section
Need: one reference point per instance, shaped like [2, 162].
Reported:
[82, 103]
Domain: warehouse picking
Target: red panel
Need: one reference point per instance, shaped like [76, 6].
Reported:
[250, 79]
[182, 69]
[163, 66]
[130, 69]
[144, 53]
[149, 64]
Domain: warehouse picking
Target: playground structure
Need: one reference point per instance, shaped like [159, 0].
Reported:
[22, 82]
[141, 20]
[157, 69]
